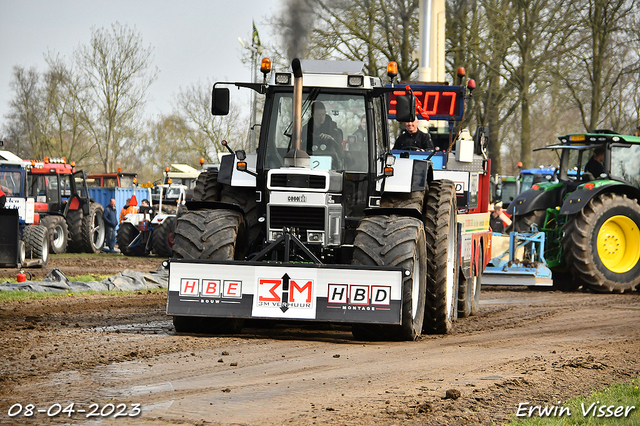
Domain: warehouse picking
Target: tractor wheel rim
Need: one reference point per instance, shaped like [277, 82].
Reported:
[618, 244]
[58, 236]
[451, 266]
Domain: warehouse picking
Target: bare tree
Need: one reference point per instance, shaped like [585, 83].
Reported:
[116, 70]
[191, 132]
[25, 114]
[63, 121]
[594, 71]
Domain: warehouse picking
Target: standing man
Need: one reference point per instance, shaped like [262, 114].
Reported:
[412, 138]
[495, 221]
[110, 222]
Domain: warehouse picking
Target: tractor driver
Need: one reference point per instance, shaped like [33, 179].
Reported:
[322, 133]
[594, 165]
[413, 138]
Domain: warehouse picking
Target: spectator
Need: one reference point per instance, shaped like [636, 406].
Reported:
[594, 165]
[110, 222]
[412, 138]
[3, 199]
[361, 131]
[146, 208]
[129, 208]
[495, 221]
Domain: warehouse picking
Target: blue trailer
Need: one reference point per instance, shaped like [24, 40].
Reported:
[104, 195]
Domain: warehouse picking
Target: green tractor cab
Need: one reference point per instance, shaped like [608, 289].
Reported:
[591, 223]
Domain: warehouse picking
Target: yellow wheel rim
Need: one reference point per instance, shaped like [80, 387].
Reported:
[619, 244]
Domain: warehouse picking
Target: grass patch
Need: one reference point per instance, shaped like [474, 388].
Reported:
[605, 402]
[13, 295]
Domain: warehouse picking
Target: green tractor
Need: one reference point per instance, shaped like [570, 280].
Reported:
[591, 223]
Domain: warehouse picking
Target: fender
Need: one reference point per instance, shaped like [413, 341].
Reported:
[409, 175]
[213, 205]
[576, 201]
[533, 199]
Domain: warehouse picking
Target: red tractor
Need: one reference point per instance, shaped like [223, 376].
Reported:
[74, 220]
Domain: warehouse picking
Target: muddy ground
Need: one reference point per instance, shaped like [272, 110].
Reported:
[539, 347]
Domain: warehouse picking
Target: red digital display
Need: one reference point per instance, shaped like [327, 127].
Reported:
[438, 102]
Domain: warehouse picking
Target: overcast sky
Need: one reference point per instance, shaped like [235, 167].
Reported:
[193, 40]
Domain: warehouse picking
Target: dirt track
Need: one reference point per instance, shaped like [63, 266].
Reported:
[540, 347]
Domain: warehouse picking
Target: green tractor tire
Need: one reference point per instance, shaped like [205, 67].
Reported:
[602, 248]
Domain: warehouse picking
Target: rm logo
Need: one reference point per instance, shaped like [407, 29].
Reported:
[285, 289]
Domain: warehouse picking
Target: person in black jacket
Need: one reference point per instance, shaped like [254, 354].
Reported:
[322, 135]
[110, 222]
[495, 221]
[594, 165]
[412, 138]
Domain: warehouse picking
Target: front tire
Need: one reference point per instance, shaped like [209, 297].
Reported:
[58, 233]
[163, 237]
[36, 243]
[395, 241]
[208, 234]
[127, 232]
[603, 247]
[442, 257]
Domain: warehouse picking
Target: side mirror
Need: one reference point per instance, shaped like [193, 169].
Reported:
[220, 101]
[406, 108]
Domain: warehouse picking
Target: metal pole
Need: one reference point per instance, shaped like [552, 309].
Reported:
[254, 105]
[424, 69]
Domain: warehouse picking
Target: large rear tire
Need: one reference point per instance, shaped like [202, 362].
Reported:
[58, 233]
[207, 187]
[522, 223]
[36, 243]
[74, 225]
[395, 241]
[208, 234]
[603, 247]
[442, 257]
[163, 237]
[127, 232]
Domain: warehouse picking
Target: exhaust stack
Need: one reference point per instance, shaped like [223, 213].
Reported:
[296, 157]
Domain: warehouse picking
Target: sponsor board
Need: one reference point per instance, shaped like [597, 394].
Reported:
[25, 207]
[286, 292]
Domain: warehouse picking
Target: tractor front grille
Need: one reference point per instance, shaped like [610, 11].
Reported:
[301, 218]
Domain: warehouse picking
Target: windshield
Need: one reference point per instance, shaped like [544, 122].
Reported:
[509, 191]
[625, 164]
[332, 131]
[11, 183]
[526, 183]
[126, 181]
[573, 164]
